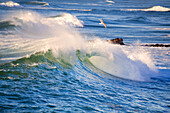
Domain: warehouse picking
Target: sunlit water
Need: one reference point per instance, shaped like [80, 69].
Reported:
[54, 56]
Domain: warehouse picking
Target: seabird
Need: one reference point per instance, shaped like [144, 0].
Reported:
[103, 23]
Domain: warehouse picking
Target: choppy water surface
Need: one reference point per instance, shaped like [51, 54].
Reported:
[54, 56]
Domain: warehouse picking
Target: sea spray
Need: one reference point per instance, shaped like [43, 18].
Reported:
[9, 4]
[47, 33]
[119, 61]
[64, 40]
[154, 8]
[69, 20]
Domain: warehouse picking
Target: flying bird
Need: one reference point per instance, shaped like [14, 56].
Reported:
[103, 23]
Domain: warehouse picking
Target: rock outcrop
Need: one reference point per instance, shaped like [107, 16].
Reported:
[120, 41]
[116, 41]
[157, 45]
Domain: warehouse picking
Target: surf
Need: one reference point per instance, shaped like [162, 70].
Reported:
[59, 39]
[154, 8]
[10, 4]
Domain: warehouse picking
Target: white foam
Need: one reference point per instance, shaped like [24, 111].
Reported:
[163, 29]
[35, 25]
[109, 1]
[45, 33]
[130, 63]
[154, 8]
[69, 19]
[9, 4]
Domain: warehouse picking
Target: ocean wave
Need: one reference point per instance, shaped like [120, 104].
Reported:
[72, 9]
[68, 19]
[40, 33]
[35, 3]
[60, 9]
[162, 29]
[117, 63]
[44, 40]
[154, 8]
[10, 4]
[140, 19]
[6, 24]
[109, 1]
[21, 18]
[120, 61]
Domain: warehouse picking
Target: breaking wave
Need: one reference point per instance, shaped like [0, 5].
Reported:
[68, 19]
[23, 18]
[9, 4]
[35, 3]
[53, 40]
[109, 1]
[154, 8]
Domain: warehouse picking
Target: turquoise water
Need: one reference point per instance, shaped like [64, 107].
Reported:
[54, 56]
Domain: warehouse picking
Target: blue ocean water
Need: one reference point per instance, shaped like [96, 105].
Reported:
[54, 56]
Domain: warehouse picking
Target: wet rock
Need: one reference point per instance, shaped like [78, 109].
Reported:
[120, 41]
[116, 41]
[157, 45]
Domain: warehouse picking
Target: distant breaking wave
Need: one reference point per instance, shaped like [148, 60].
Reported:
[109, 1]
[154, 8]
[9, 4]
[35, 3]
[64, 19]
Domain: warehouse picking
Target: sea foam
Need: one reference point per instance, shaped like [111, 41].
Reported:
[64, 40]
[9, 4]
[43, 33]
[154, 8]
[109, 1]
[69, 19]
[122, 61]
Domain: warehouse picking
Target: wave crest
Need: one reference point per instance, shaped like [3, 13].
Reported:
[63, 41]
[10, 4]
[68, 19]
[125, 62]
[35, 3]
[154, 8]
[41, 33]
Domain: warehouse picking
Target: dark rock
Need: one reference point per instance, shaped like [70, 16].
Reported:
[157, 45]
[116, 41]
[120, 41]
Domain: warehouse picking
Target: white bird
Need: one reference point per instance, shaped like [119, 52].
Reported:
[103, 23]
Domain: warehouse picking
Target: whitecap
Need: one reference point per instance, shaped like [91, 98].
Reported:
[126, 62]
[10, 4]
[36, 33]
[109, 1]
[68, 19]
[163, 29]
[154, 8]
[36, 3]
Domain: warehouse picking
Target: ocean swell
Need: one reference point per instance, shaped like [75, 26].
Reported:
[35, 3]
